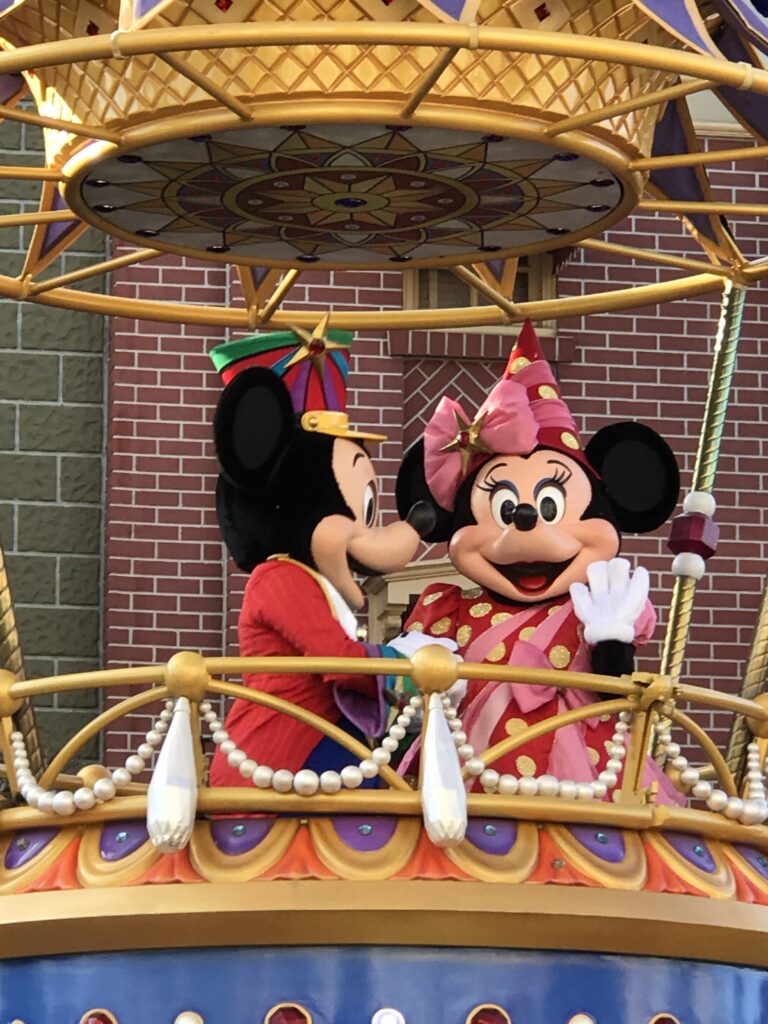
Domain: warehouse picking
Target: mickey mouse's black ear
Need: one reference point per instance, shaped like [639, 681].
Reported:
[640, 474]
[412, 487]
[254, 421]
[247, 524]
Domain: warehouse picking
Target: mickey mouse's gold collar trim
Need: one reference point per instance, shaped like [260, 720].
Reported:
[336, 424]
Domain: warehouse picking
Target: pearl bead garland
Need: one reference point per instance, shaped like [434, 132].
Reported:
[307, 782]
[750, 811]
[62, 801]
[548, 785]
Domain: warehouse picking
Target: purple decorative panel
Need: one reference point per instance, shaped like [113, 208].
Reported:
[365, 834]
[694, 849]
[748, 107]
[119, 838]
[55, 233]
[748, 16]
[496, 836]
[679, 182]
[682, 18]
[605, 843]
[26, 845]
[234, 836]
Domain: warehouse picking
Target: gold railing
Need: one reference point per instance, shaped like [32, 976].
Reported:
[643, 696]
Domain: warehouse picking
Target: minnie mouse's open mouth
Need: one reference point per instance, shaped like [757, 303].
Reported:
[532, 577]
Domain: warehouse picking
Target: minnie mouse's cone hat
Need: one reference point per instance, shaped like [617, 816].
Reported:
[528, 367]
[313, 368]
[523, 412]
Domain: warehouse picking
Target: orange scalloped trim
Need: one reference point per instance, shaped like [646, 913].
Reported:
[545, 873]
[429, 863]
[661, 877]
[171, 867]
[60, 875]
[299, 861]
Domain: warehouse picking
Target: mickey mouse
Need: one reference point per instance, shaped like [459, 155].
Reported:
[297, 503]
[531, 517]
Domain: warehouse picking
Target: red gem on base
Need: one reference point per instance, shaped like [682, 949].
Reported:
[99, 1017]
[288, 1015]
[223, 5]
[463, 439]
[92, 29]
[695, 533]
[316, 347]
[489, 1015]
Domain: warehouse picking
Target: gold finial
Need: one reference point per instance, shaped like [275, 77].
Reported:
[187, 676]
[434, 669]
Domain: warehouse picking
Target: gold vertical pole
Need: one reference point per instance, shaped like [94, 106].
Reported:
[724, 361]
[11, 661]
[754, 683]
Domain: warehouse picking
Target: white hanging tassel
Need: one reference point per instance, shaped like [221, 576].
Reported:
[443, 793]
[172, 795]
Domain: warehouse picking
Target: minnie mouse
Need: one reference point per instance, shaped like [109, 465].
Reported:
[531, 517]
[297, 503]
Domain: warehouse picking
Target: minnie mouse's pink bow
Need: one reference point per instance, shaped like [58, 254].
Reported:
[504, 424]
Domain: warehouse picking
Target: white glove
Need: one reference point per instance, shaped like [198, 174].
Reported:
[611, 605]
[408, 643]
[458, 691]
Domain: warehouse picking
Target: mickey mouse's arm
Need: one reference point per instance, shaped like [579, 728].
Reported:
[291, 603]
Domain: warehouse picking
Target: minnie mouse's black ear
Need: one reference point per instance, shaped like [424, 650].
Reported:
[640, 474]
[412, 487]
[253, 423]
[247, 524]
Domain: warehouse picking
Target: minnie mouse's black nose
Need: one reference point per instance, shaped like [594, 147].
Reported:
[525, 517]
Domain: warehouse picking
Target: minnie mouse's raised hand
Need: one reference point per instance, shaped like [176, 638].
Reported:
[613, 602]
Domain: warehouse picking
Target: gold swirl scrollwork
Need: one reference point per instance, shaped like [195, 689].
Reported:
[629, 873]
[16, 879]
[513, 866]
[372, 865]
[214, 865]
[718, 884]
[94, 872]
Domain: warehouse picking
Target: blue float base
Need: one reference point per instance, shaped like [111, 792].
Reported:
[346, 986]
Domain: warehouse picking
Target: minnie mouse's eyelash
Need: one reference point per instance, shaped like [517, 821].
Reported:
[560, 476]
[488, 484]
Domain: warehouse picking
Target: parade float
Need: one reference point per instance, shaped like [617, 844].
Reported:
[273, 137]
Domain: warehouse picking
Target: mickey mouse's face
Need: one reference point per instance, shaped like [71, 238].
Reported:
[354, 542]
[530, 541]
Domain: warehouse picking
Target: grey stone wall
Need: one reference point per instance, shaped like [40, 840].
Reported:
[51, 461]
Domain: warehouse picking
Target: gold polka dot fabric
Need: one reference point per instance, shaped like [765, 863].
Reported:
[417, 627]
[480, 610]
[560, 656]
[441, 627]
[431, 598]
[569, 440]
[514, 726]
[527, 633]
[500, 617]
[463, 635]
[525, 765]
[594, 755]
[547, 391]
[496, 653]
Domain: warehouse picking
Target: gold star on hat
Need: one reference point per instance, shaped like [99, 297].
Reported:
[467, 441]
[314, 346]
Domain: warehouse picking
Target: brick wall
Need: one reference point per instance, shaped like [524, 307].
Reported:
[167, 582]
[51, 464]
